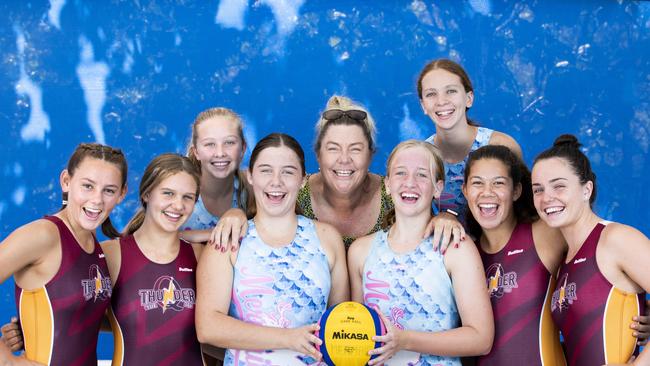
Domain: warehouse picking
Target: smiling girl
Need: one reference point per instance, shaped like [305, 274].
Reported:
[62, 280]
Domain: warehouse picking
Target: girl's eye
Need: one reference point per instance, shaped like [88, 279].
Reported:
[423, 175]
[110, 191]
[188, 198]
[477, 183]
[429, 95]
[209, 144]
[451, 91]
[87, 186]
[230, 142]
[537, 190]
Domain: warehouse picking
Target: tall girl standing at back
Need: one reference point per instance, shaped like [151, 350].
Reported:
[62, 282]
[446, 94]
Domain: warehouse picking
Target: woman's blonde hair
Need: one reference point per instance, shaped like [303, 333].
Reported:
[345, 104]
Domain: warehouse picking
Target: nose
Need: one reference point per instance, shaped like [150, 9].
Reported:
[344, 157]
[441, 99]
[276, 179]
[219, 150]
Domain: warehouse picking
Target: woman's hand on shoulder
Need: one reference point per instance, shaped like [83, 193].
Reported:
[447, 231]
[230, 230]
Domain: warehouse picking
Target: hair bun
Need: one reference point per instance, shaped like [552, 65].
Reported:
[567, 140]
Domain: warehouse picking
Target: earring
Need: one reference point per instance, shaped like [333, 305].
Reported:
[64, 202]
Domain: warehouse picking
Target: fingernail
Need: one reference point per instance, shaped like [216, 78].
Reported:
[223, 250]
[456, 246]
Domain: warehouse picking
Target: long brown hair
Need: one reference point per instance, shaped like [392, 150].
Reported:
[99, 152]
[160, 168]
[273, 140]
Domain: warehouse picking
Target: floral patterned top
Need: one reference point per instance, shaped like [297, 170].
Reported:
[452, 196]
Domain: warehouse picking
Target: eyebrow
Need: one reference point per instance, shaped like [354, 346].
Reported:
[282, 167]
[446, 86]
[93, 182]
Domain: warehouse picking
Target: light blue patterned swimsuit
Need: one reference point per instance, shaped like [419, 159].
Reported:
[202, 219]
[412, 289]
[284, 287]
[452, 196]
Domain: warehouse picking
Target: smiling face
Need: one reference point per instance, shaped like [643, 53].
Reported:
[560, 198]
[490, 193]
[170, 203]
[344, 158]
[411, 181]
[444, 98]
[93, 191]
[276, 177]
[218, 146]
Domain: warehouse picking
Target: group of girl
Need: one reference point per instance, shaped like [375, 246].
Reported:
[269, 294]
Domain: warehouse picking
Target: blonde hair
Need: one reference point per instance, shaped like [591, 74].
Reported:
[346, 104]
[208, 114]
[437, 166]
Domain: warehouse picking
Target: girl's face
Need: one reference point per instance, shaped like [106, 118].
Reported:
[171, 202]
[276, 178]
[93, 191]
[444, 99]
[218, 146]
[490, 193]
[560, 198]
[344, 158]
[411, 181]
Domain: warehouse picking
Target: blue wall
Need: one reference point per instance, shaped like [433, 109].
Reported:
[134, 74]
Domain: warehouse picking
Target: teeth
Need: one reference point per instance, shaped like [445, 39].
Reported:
[92, 210]
[445, 113]
[275, 194]
[487, 205]
[343, 173]
[552, 210]
[172, 214]
[410, 195]
[220, 163]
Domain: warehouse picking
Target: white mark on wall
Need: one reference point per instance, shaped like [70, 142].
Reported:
[483, 7]
[230, 14]
[92, 77]
[54, 14]
[39, 121]
[419, 9]
[408, 128]
[18, 196]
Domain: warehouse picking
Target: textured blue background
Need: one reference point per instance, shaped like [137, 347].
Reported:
[135, 73]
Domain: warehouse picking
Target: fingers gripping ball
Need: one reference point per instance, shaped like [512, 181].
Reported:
[346, 330]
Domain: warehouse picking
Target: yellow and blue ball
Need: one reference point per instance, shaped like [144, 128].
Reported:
[346, 330]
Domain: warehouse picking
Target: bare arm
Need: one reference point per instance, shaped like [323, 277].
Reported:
[215, 327]
[632, 250]
[473, 337]
[500, 138]
[357, 254]
[27, 247]
[335, 250]
[550, 245]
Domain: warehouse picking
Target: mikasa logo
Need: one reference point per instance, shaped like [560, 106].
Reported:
[343, 335]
